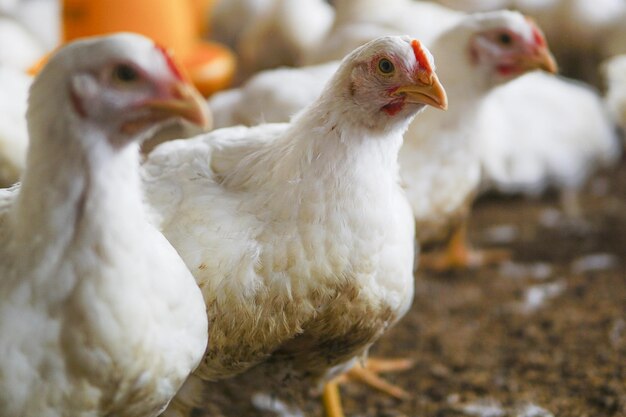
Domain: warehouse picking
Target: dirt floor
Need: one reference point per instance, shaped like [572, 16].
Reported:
[542, 335]
[539, 336]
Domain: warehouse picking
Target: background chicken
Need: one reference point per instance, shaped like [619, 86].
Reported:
[579, 31]
[98, 314]
[14, 85]
[271, 96]
[271, 33]
[440, 163]
[312, 232]
[545, 132]
[28, 29]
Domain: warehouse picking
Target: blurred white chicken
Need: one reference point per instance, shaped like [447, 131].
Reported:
[478, 5]
[615, 78]
[358, 21]
[576, 29]
[229, 19]
[543, 131]
[312, 232]
[270, 96]
[98, 313]
[440, 163]
[14, 85]
[19, 48]
[580, 32]
[42, 18]
[271, 33]
[28, 29]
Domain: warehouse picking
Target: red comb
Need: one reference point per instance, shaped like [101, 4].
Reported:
[538, 37]
[170, 62]
[420, 56]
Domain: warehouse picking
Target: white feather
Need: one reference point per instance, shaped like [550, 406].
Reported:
[14, 86]
[543, 131]
[270, 96]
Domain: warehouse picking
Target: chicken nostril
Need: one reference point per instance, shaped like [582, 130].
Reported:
[424, 78]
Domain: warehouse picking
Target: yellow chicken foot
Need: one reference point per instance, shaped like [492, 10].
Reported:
[368, 375]
[458, 254]
[332, 399]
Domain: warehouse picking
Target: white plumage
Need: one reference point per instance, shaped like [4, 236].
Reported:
[230, 18]
[14, 85]
[18, 47]
[28, 29]
[271, 33]
[270, 96]
[312, 232]
[98, 314]
[541, 131]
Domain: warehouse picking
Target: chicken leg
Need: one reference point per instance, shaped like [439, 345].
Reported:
[368, 375]
[458, 254]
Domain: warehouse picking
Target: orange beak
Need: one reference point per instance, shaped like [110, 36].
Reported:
[541, 59]
[428, 90]
[186, 103]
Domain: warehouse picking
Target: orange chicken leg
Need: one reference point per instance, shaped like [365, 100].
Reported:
[458, 254]
[368, 375]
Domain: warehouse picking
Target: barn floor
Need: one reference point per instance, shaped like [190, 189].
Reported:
[543, 335]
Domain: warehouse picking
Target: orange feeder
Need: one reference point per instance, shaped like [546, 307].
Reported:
[175, 24]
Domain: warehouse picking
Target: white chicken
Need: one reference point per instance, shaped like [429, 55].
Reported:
[580, 32]
[542, 131]
[228, 19]
[312, 231]
[359, 21]
[477, 5]
[98, 314]
[440, 163]
[42, 18]
[14, 85]
[19, 48]
[615, 77]
[271, 33]
[28, 29]
[270, 96]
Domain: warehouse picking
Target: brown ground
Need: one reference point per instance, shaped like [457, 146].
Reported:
[481, 350]
[476, 344]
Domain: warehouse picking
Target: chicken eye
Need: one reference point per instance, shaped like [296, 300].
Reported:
[385, 66]
[505, 39]
[125, 73]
